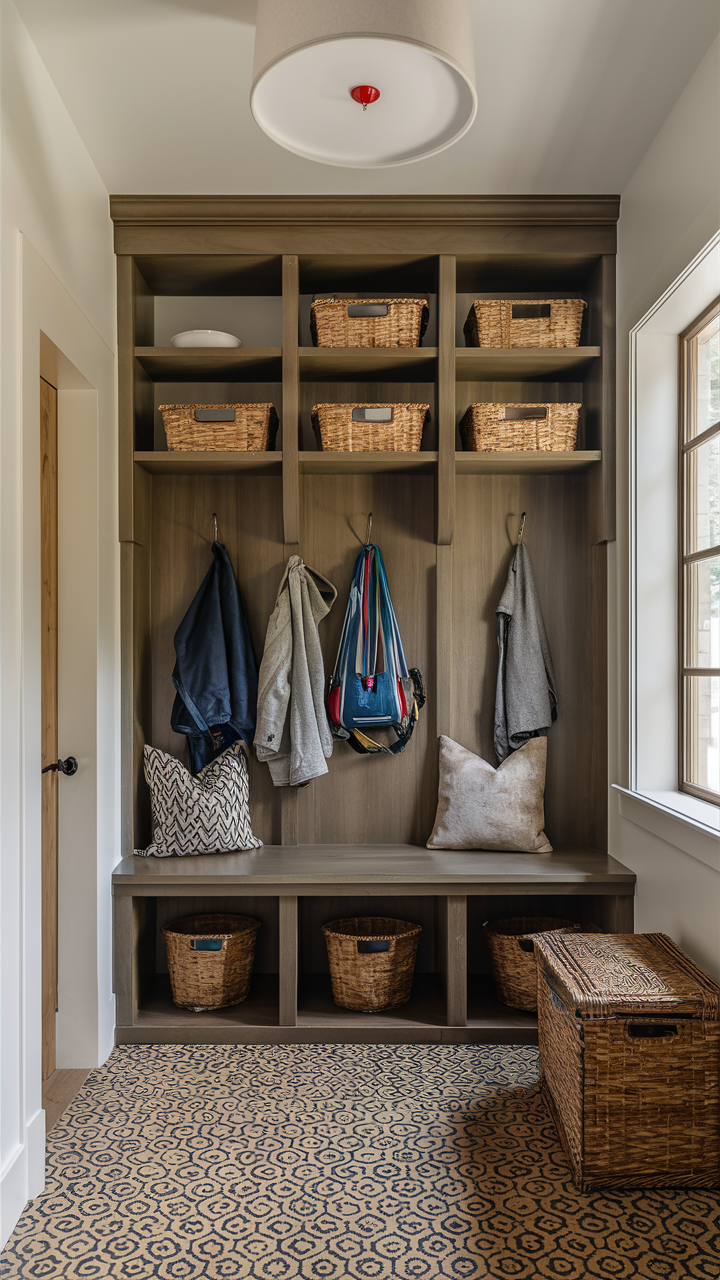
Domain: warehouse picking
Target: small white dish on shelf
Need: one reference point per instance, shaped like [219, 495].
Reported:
[205, 338]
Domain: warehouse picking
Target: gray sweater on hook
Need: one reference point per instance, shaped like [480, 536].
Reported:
[526, 696]
[293, 735]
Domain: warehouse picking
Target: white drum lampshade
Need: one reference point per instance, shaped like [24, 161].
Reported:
[410, 62]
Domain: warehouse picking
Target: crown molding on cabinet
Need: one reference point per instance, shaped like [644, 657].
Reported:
[418, 210]
[469, 227]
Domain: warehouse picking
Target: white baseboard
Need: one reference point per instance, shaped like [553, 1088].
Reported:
[36, 1155]
[23, 1176]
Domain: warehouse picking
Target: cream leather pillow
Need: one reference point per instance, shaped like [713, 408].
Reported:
[480, 807]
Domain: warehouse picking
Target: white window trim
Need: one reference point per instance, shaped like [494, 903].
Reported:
[660, 813]
[685, 821]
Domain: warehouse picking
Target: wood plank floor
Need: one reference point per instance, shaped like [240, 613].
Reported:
[59, 1090]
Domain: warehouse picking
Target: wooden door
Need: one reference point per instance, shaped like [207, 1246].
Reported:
[49, 713]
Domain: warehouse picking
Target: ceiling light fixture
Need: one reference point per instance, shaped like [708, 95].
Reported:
[412, 60]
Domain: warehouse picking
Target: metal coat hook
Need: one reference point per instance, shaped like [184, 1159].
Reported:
[214, 516]
[369, 530]
[522, 529]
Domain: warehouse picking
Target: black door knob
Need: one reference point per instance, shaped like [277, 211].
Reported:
[68, 767]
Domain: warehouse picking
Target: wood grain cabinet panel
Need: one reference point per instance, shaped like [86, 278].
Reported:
[353, 840]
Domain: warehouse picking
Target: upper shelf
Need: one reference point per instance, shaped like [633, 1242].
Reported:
[320, 463]
[182, 462]
[331, 364]
[532, 462]
[522, 364]
[377, 364]
[219, 364]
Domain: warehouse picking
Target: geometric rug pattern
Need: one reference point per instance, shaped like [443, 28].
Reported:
[270, 1162]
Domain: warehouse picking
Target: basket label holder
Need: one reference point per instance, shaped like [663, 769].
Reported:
[366, 413]
[525, 412]
[215, 415]
[367, 309]
[531, 311]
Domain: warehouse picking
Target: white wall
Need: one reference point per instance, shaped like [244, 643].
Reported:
[58, 277]
[670, 210]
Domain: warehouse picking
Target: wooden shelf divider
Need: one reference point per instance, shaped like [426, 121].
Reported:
[522, 364]
[291, 398]
[288, 960]
[181, 462]
[318, 463]
[216, 364]
[446, 399]
[508, 463]
[331, 364]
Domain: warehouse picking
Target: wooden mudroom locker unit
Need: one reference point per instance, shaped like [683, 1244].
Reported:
[353, 842]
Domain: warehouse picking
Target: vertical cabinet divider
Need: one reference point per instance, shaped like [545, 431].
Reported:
[444, 653]
[125, 959]
[288, 960]
[126, 393]
[453, 935]
[446, 399]
[291, 398]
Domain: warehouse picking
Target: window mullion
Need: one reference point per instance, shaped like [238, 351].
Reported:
[698, 521]
[692, 557]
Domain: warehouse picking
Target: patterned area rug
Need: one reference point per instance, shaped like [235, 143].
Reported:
[370, 1161]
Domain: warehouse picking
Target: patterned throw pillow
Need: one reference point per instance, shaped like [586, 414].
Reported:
[206, 814]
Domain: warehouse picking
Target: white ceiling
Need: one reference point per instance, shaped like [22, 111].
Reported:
[571, 93]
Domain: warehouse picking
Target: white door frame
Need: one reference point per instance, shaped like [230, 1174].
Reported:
[89, 712]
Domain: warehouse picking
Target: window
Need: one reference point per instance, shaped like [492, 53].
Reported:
[700, 557]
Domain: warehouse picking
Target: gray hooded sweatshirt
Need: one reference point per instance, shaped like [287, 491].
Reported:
[293, 734]
[526, 697]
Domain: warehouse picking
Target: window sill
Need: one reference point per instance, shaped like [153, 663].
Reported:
[681, 820]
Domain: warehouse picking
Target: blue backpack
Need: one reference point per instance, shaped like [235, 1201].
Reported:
[362, 696]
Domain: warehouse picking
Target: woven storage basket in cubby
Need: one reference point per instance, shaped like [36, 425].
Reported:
[553, 322]
[368, 322]
[237, 427]
[514, 967]
[496, 428]
[372, 961]
[629, 1034]
[210, 960]
[369, 428]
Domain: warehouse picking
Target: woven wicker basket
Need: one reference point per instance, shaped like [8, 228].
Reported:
[253, 427]
[629, 1033]
[210, 959]
[554, 322]
[514, 965]
[349, 428]
[372, 961]
[336, 322]
[487, 428]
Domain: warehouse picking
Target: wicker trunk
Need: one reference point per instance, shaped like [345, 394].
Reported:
[629, 1054]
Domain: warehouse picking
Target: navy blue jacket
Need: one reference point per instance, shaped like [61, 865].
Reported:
[215, 674]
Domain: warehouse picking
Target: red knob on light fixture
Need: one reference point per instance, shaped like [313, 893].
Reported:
[365, 93]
